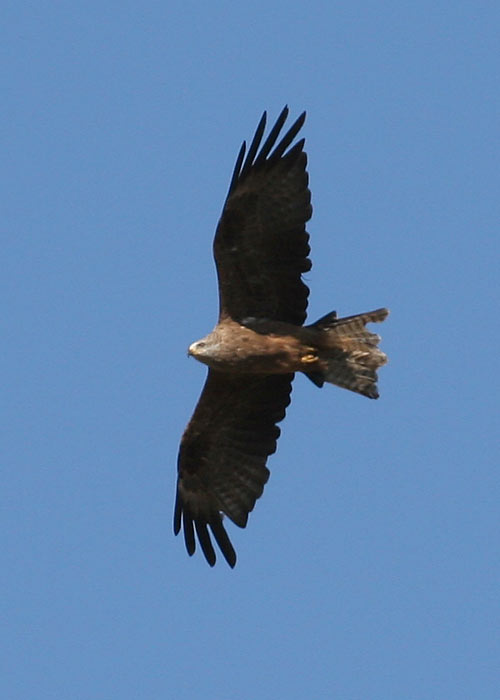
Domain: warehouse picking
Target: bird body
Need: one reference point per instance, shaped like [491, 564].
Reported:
[261, 249]
[273, 347]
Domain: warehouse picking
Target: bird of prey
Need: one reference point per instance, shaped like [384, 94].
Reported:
[261, 250]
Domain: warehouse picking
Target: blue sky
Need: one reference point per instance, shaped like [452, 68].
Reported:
[370, 568]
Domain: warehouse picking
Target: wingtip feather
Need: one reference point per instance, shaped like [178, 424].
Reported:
[254, 158]
[205, 542]
[254, 146]
[189, 539]
[177, 514]
[222, 539]
[237, 167]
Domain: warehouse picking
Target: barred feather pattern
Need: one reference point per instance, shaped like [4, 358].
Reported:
[350, 354]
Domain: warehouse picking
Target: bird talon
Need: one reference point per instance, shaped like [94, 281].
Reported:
[307, 359]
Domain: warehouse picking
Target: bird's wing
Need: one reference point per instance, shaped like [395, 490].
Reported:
[261, 245]
[222, 458]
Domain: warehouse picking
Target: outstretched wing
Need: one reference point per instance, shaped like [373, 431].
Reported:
[223, 453]
[261, 244]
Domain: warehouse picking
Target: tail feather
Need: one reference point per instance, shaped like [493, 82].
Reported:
[348, 353]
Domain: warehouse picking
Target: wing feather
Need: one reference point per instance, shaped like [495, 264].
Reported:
[261, 246]
[254, 147]
[222, 458]
[271, 139]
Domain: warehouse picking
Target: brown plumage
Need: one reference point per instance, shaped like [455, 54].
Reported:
[261, 249]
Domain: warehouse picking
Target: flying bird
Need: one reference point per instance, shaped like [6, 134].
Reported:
[261, 251]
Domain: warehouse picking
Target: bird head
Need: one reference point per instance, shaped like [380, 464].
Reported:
[197, 349]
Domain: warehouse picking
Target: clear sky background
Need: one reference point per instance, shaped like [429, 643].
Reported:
[370, 569]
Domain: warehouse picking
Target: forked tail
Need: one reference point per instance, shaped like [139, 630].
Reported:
[348, 355]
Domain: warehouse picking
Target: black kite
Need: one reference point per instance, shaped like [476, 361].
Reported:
[261, 249]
